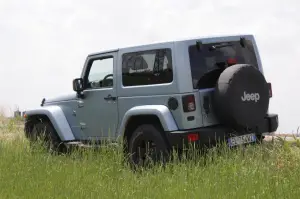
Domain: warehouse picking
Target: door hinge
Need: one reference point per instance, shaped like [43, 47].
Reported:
[206, 104]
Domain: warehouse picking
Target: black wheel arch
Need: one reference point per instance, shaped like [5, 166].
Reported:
[31, 120]
[52, 139]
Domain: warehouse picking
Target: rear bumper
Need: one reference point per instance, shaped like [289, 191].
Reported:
[270, 124]
[209, 136]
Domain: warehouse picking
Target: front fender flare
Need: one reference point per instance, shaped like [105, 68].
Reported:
[162, 112]
[57, 118]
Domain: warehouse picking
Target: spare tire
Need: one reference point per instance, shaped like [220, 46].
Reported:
[241, 98]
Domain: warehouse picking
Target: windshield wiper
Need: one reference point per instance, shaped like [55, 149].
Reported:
[214, 47]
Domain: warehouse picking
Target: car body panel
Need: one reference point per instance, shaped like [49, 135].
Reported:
[61, 98]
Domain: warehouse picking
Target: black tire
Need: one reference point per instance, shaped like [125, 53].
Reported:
[143, 136]
[230, 103]
[44, 131]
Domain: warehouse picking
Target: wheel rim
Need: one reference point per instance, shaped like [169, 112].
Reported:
[145, 151]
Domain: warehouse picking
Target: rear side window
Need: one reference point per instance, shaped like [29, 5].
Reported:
[147, 67]
[207, 64]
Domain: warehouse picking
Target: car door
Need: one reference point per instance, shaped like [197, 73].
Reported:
[97, 110]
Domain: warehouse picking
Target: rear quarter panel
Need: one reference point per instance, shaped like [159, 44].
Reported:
[159, 94]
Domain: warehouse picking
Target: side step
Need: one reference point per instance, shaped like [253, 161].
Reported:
[91, 146]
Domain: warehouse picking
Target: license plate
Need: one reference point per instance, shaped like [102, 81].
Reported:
[243, 139]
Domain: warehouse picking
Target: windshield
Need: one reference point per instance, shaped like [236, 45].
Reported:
[208, 63]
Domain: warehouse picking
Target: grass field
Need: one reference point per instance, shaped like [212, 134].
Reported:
[270, 170]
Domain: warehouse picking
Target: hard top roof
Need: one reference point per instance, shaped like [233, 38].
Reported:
[178, 40]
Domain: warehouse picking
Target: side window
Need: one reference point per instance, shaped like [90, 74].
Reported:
[100, 73]
[147, 67]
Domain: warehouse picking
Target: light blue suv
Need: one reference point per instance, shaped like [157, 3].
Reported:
[162, 95]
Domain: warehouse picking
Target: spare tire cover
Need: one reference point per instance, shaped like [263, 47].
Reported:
[241, 97]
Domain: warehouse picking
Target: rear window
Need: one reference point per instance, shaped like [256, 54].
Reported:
[207, 64]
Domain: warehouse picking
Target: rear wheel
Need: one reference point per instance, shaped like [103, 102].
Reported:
[44, 133]
[147, 146]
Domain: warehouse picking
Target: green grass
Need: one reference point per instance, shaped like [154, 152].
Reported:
[265, 171]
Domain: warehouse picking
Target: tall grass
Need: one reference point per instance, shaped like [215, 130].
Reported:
[264, 171]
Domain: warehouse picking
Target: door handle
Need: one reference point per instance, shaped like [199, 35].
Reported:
[80, 104]
[82, 125]
[109, 97]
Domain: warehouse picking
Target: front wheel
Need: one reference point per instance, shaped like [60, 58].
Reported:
[147, 146]
[44, 132]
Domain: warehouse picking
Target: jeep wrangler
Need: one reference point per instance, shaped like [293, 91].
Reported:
[161, 96]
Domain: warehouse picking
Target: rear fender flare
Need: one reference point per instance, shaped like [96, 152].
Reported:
[162, 112]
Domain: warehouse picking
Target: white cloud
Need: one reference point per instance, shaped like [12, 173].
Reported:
[44, 43]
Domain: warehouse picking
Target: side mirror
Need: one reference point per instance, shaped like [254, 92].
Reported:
[78, 85]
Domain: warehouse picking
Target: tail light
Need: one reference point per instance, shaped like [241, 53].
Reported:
[193, 137]
[188, 103]
[231, 61]
[270, 90]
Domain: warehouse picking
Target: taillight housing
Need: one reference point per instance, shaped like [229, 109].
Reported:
[188, 103]
[270, 90]
[193, 137]
[231, 61]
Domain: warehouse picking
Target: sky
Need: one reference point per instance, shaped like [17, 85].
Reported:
[43, 44]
